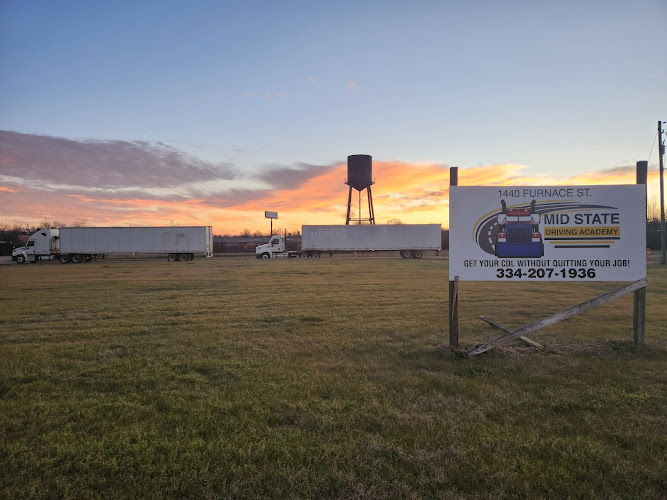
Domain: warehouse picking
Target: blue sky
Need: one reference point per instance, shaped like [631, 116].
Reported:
[560, 88]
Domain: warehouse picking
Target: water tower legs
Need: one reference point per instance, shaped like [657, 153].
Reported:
[371, 212]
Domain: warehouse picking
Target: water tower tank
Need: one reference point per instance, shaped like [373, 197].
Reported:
[360, 171]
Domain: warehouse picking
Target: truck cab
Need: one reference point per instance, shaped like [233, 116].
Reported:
[274, 248]
[42, 245]
[277, 247]
[519, 232]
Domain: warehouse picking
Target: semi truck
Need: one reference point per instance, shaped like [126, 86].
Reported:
[519, 232]
[83, 244]
[410, 240]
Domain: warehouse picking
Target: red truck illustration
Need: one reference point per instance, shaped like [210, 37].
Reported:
[519, 232]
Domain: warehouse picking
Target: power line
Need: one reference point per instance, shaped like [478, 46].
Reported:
[649, 155]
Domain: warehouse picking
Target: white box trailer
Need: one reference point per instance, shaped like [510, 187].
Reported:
[82, 244]
[371, 237]
[411, 240]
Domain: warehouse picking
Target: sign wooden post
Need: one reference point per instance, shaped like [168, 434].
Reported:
[454, 312]
[453, 284]
[639, 308]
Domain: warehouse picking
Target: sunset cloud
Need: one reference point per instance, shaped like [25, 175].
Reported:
[47, 160]
[136, 183]
[284, 177]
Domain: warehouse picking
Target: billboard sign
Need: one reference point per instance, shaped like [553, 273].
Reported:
[553, 233]
[270, 215]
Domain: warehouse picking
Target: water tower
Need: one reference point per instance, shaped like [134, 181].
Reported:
[360, 177]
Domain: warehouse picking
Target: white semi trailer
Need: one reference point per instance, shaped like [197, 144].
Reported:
[83, 244]
[411, 240]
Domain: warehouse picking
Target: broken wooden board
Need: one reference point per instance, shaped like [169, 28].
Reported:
[561, 315]
[493, 322]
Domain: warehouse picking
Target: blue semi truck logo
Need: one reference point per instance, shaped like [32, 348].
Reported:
[519, 232]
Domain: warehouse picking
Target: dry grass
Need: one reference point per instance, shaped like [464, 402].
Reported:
[320, 378]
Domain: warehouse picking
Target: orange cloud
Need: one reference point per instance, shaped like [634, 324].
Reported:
[142, 183]
[412, 193]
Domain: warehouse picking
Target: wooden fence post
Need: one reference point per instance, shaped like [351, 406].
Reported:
[454, 313]
[639, 316]
[453, 285]
[639, 307]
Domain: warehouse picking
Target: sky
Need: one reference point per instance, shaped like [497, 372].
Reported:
[211, 112]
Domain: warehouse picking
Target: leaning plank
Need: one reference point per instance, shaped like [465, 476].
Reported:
[493, 322]
[560, 316]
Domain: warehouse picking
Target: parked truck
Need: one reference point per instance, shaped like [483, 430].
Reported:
[410, 240]
[83, 244]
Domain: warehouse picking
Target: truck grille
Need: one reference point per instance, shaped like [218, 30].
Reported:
[520, 233]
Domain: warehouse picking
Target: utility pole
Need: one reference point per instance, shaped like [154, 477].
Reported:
[663, 235]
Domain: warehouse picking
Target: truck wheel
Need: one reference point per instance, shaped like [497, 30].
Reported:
[20, 259]
[77, 258]
[417, 254]
[406, 254]
[266, 256]
[316, 255]
[182, 257]
[303, 255]
[171, 257]
[64, 258]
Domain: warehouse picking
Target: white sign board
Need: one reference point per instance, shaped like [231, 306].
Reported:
[556, 233]
[270, 215]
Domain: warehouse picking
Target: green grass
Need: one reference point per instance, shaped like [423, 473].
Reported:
[320, 378]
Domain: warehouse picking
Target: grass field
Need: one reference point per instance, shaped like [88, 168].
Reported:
[232, 377]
